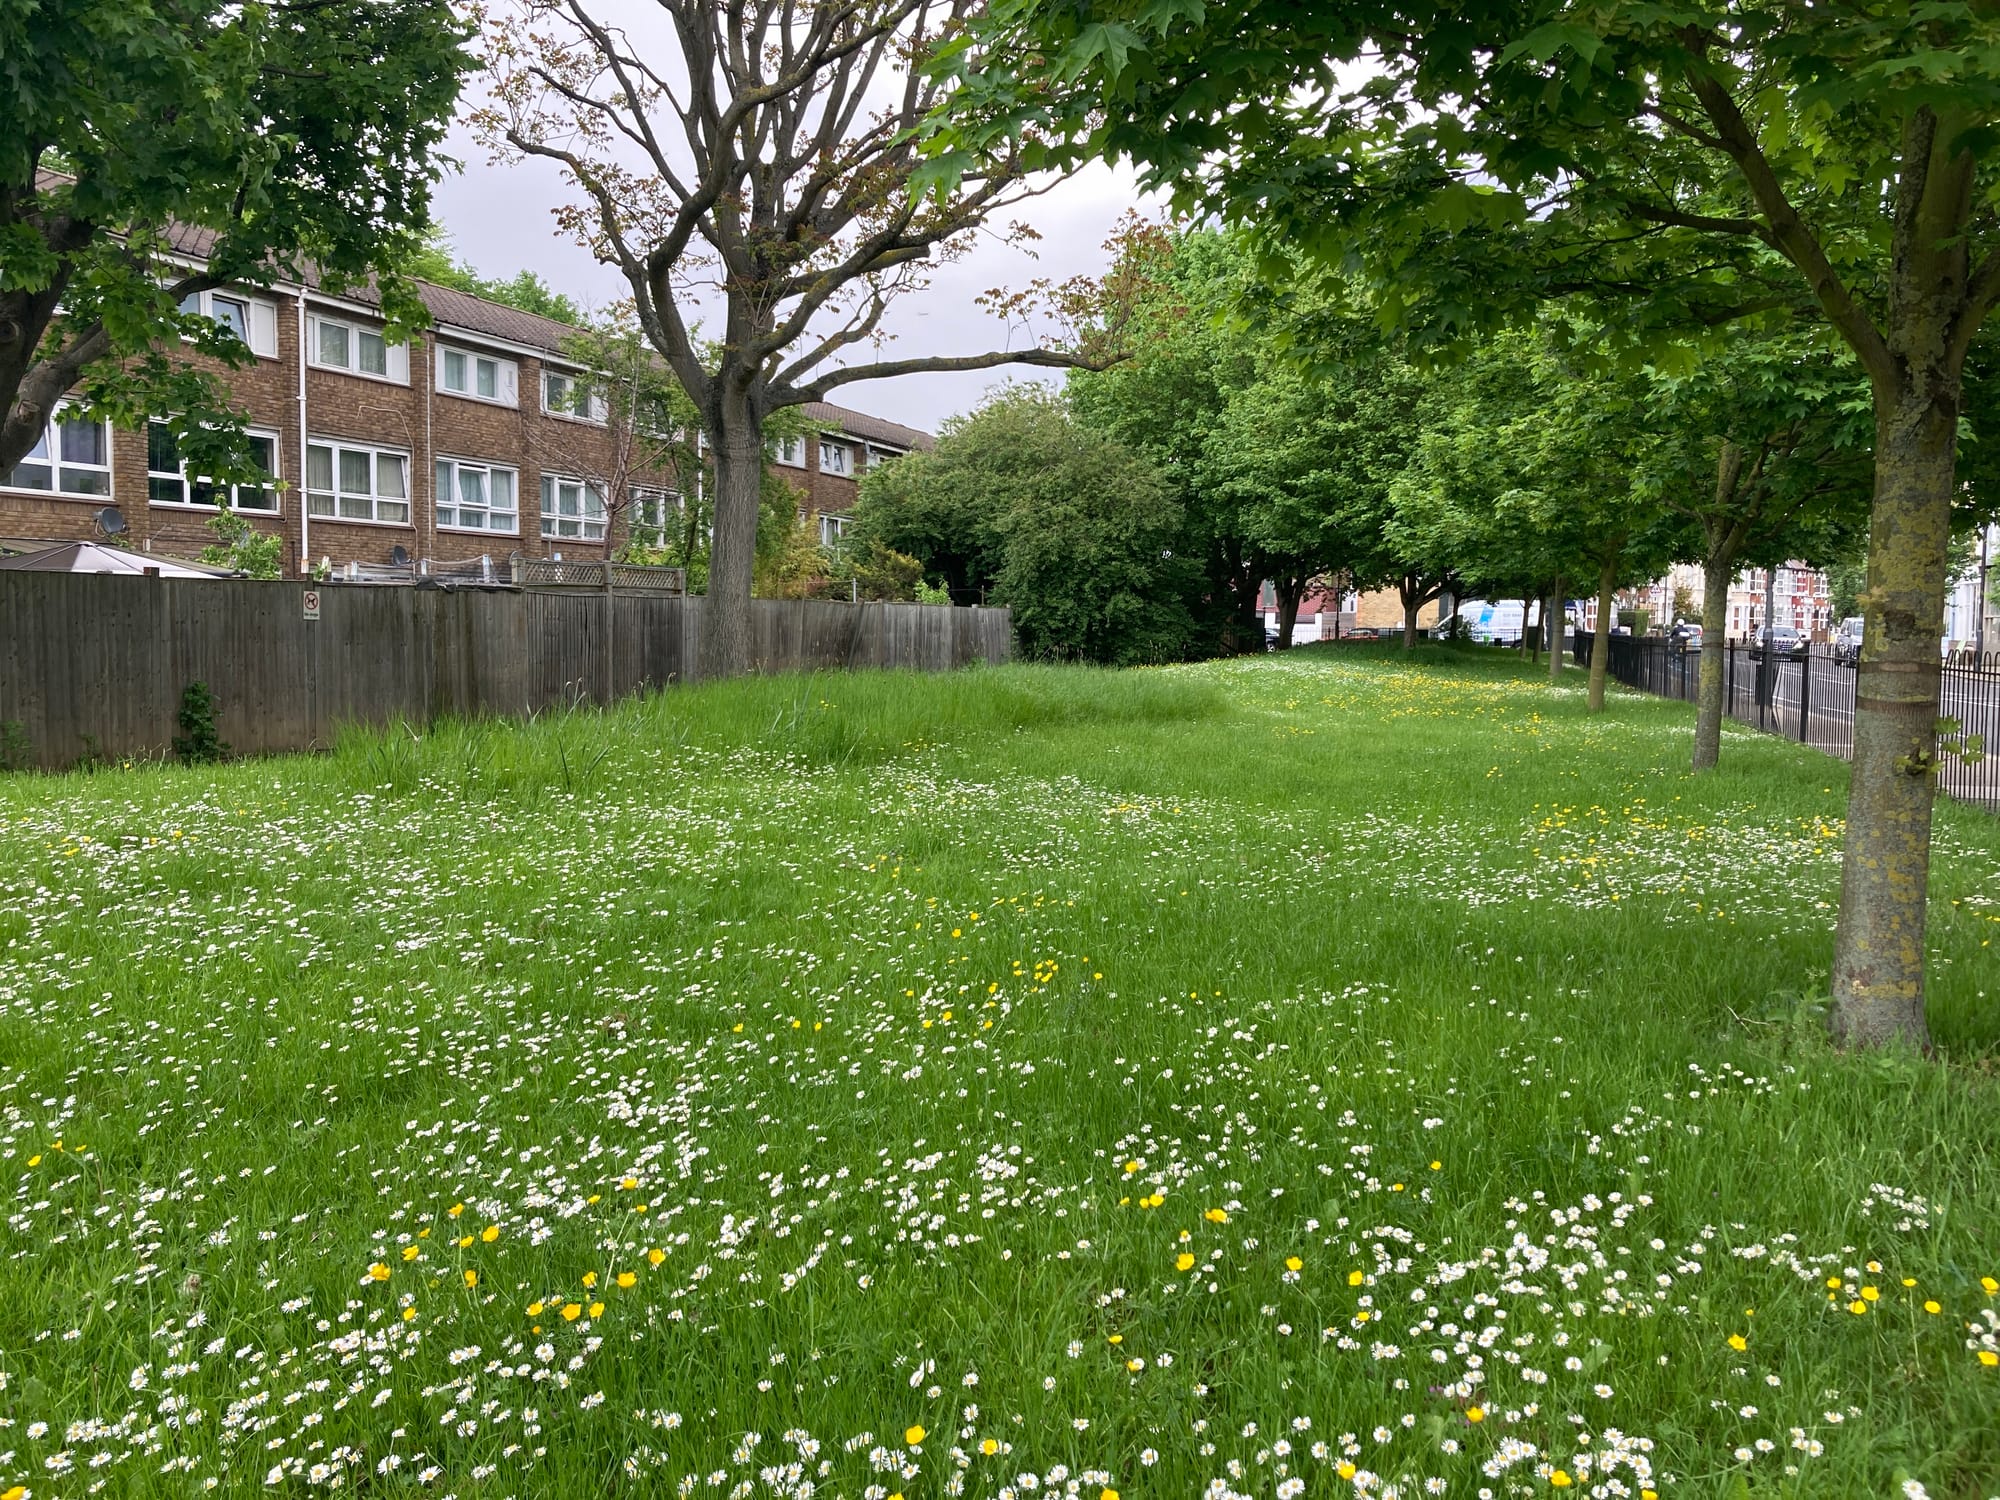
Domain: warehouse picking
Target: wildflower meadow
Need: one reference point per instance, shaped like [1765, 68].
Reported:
[1325, 1075]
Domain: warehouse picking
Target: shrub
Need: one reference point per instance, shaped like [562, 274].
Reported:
[198, 744]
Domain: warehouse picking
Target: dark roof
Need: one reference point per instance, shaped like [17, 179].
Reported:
[452, 308]
[869, 429]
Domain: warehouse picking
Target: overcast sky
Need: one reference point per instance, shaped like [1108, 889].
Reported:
[500, 221]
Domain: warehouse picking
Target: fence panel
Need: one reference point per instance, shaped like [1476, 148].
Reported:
[1811, 699]
[95, 664]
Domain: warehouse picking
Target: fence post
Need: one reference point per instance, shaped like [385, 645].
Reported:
[1729, 693]
[1805, 694]
[610, 624]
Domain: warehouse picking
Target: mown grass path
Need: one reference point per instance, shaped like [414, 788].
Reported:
[1316, 1075]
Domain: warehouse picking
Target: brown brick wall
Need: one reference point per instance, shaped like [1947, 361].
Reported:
[415, 418]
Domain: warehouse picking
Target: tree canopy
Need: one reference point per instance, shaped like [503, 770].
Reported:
[1682, 166]
[260, 141]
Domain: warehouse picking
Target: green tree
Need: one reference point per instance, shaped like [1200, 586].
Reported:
[1532, 469]
[1277, 428]
[763, 155]
[1766, 451]
[276, 137]
[241, 546]
[1725, 156]
[1067, 526]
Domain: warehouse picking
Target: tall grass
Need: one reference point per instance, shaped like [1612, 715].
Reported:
[1347, 1069]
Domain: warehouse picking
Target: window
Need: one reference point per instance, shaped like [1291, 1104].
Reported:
[71, 457]
[649, 509]
[831, 530]
[792, 451]
[358, 350]
[652, 416]
[167, 481]
[251, 319]
[356, 483]
[572, 508]
[568, 396]
[477, 375]
[835, 458]
[476, 497]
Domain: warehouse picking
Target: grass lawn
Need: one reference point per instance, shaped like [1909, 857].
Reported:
[1328, 1074]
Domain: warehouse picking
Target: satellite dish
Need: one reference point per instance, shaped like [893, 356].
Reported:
[111, 521]
[399, 555]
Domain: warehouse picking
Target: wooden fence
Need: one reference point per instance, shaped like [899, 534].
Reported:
[95, 664]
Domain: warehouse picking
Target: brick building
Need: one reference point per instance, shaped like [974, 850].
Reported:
[477, 438]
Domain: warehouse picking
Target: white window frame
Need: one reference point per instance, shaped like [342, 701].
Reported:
[336, 494]
[553, 520]
[597, 410]
[458, 465]
[395, 357]
[639, 497]
[180, 475]
[832, 530]
[791, 452]
[51, 459]
[260, 317]
[844, 469]
[506, 376]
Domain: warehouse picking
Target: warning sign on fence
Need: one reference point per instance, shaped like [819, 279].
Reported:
[310, 599]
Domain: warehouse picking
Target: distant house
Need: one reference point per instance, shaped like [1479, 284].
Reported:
[826, 466]
[480, 437]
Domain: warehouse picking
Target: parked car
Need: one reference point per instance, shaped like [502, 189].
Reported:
[1847, 642]
[1685, 636]
[1779, 640]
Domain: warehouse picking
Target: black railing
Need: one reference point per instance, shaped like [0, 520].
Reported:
[1810, 699]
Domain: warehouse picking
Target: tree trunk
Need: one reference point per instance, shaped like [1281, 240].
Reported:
[1878, 961]
[1557, 627]
[732, 556]
[1600, 645]
[1716, 571]
[1290, 594]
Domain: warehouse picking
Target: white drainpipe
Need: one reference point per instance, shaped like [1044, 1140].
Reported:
[305, 542]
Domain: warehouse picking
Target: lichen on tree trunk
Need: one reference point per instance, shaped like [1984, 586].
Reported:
[1878, 965]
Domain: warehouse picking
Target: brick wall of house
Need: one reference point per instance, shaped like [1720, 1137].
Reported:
[416, 418]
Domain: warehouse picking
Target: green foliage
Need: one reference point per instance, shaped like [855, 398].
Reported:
[930, 593]
[1066, 525]
[291, 135]
[241, 546]
[198, 743]
[791, 564]
[16, 752]
[1277, 423]
[879, 572]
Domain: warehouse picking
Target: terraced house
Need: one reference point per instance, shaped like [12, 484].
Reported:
[477, 439]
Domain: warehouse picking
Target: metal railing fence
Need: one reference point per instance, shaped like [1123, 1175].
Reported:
[1811, 699]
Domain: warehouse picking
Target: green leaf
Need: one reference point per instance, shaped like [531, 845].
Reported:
[1544, 42]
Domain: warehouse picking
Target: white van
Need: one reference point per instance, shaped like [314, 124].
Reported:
[1847, 641]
